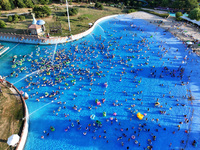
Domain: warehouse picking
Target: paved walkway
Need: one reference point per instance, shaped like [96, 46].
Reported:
[182, 30]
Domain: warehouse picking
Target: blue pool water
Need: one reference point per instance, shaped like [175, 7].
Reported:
[140, 63]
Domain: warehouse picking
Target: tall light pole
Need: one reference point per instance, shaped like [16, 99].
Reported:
[68, 15]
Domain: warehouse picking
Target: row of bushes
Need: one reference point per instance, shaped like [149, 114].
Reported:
[165, 15]
[16, 18]
[11, 4]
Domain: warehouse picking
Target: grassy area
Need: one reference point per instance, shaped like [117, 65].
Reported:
[19, 28]
[11, 114]
[79, 23]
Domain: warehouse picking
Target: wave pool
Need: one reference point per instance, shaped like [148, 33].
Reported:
[92, 93]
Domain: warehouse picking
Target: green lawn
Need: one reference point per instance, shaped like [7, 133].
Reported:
[19, 27]
[79, 23]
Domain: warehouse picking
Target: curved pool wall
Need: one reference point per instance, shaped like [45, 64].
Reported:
[78, 36]
[26, 39]
[151, 87]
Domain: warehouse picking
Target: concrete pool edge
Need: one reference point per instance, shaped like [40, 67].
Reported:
[87, 32]
[24, 132]
[35, 40]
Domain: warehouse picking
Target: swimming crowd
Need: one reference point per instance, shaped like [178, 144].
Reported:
[87, 62]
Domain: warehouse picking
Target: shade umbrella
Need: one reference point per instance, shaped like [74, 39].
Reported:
[90, 24]
[13, 140]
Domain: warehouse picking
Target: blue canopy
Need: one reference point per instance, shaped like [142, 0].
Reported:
[40, 22]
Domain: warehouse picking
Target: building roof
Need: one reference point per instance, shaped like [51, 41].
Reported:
[40, 22]
[34, 26]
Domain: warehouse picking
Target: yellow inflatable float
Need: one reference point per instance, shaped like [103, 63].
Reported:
[140, 116]
[157, 103]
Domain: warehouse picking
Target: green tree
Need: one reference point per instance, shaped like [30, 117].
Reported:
[38, 14]
[44, 2]
[2, 24]
[41, 11]
[58, 18]
[12, 3]
[6, 5]
[20, 4]
[70, 3]
[128, 3]
[191, 4]
[178, 16]
[101, 7]
[179, 4]
[73, 11]
[46, 10]
[152, 3]
[131, 10]
[165, 3]
[37, 11]
[10, 19]
[29, 3]
[185, 4]
[122, 6]
[36, 8]
[194, 14]
[98, 6]
[22, 18]
[16, 19]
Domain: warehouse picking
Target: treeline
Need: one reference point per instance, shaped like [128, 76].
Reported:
[11, 4]
[187, 4]
[178, 4]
